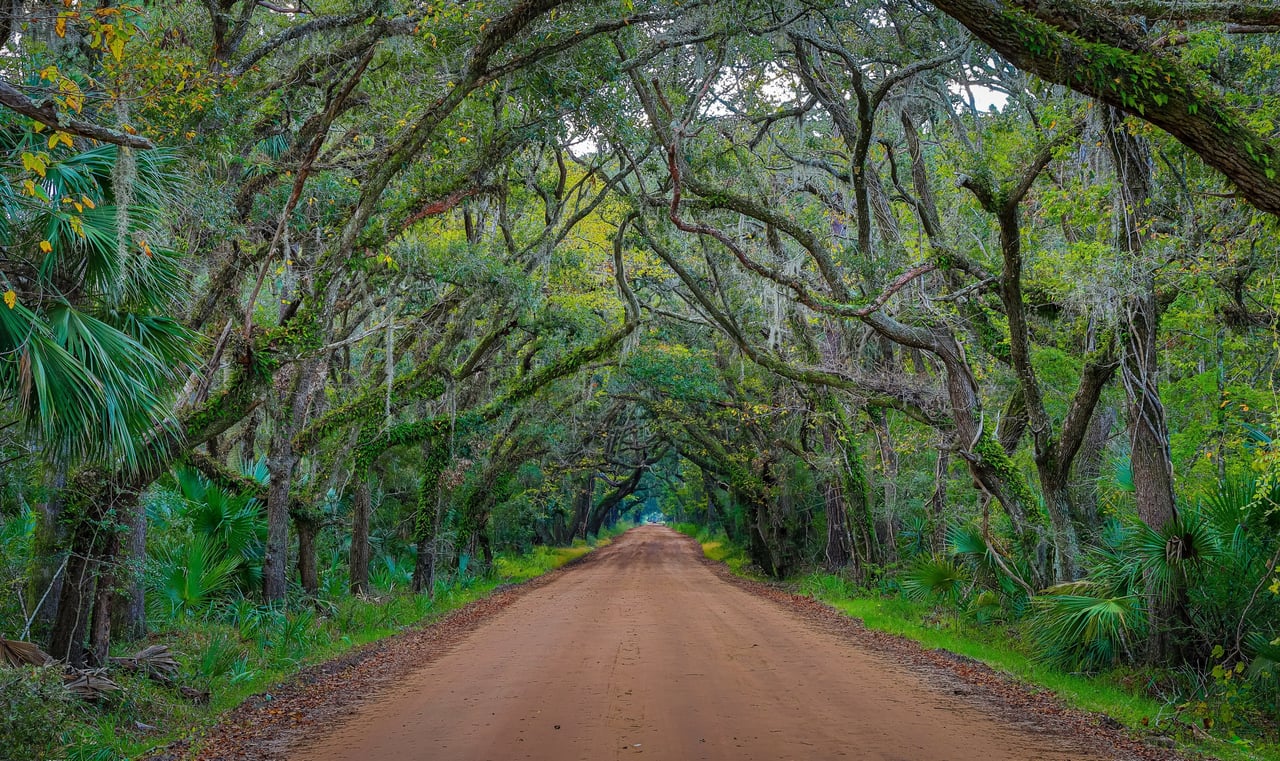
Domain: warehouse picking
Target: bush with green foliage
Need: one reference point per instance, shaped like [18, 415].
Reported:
[36, 708]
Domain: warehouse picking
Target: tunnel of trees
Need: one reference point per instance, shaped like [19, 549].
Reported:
[968, 300]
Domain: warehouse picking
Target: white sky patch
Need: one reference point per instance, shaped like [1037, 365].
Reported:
[984, 98]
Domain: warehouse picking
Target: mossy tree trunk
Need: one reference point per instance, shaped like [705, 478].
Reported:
[1150, 457]
[358, 556]
[307, 526]
[129, 612]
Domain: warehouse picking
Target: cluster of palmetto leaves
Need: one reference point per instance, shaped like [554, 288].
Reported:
[1210, 565]
[210, 546]
[88, 350]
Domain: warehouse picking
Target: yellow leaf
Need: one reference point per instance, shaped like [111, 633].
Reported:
[10, 298]
[33, 163]
[145, 248]
[28, 188]
[117, 48]
[50, 73]
[46, 246]
[85, 200]
[60, 26]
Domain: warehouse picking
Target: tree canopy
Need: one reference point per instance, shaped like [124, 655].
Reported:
[898, 289]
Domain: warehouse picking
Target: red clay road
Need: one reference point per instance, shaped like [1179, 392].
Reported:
[644, 652]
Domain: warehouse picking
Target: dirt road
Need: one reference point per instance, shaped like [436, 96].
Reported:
[645, 652]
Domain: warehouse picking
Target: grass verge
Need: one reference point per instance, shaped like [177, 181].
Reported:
[717, 547]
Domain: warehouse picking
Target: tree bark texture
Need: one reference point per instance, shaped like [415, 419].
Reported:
[358, 558]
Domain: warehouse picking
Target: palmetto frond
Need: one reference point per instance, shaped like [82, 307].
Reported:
[88, 353]
[1166, 556]
[189, 576]
[936, 576]
[991, 567]
[1077, 629]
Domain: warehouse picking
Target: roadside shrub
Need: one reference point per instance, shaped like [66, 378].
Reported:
[34, 708]
[188, 577]
[938, 577]
[1082, 627]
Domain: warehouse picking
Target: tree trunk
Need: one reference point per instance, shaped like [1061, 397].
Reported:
[129, 613]
[1066, 544]
[938, 500]
[1148, 429]
[839, 552]
[582, 505]
[601, 511]
[711, 487]
[485, 541]
[92, 549]
[281, 462]
[1088, 469]
[308, 574]
[358, 558]
[247, 440]
[1150, 458]
[46, 572]
[886, 526]
[839, 549]
[424, 568]
[282, 465]
[100, 631]
[430, 508]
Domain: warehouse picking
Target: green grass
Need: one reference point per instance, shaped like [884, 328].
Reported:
[716, 546]
[1001, 646]
[238, 651]
[518, 568]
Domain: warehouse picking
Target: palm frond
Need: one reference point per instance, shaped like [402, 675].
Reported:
[1169, 555]
[1266, 655]
[187, 578]
[51, 391]
[1082, 631]
[129, 376]
[935, 576]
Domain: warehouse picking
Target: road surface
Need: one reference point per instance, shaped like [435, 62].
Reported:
[644, 652]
